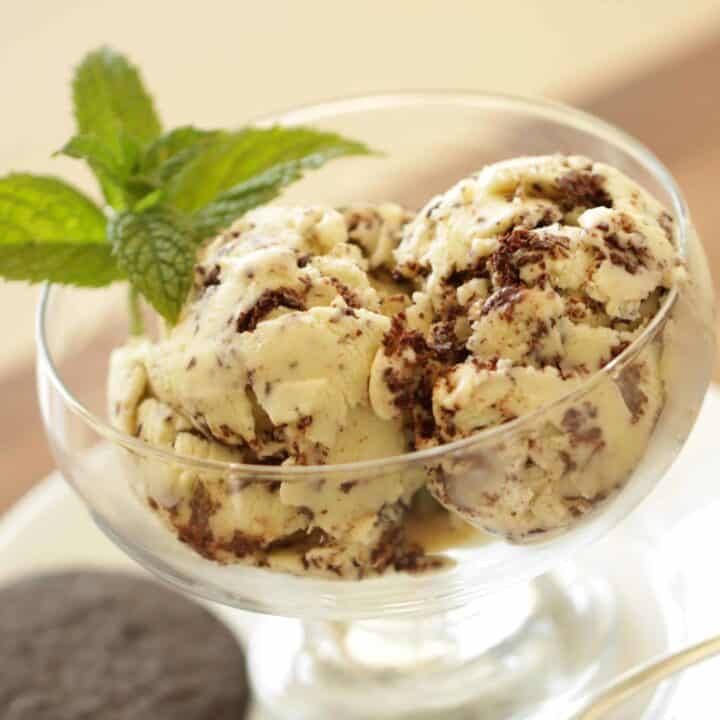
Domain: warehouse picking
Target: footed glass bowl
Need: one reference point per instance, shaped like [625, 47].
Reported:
[492, 635]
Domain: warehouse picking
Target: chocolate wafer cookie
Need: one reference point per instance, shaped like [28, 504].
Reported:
[89, 645]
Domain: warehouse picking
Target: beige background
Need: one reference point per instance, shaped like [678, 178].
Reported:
[220, 63]
[651, 66]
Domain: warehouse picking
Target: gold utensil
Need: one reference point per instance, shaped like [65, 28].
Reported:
[599, 703]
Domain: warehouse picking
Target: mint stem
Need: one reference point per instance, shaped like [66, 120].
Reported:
[137, 325]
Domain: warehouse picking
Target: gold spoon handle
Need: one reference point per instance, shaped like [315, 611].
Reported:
[636, 679]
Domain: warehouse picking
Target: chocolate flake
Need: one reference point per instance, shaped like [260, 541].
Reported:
[265, 304]
[213, 277]
[445, 345]
[666, 223]
[346, 294]
[503, 302]
[629, 383]
[583, 189]
[630, 257]
[306, 512]
[242, 545]
[521, 247]
[574, 423]
[197, 532]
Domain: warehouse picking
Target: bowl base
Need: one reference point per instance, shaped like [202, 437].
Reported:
[529, 652]
[498, 659]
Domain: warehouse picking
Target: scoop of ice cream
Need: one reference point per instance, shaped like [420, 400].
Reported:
[534, 274]
[273, 350]
[270, 363]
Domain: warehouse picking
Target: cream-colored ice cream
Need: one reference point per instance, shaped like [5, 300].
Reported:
[314, 336]
[269, 364]
[532, 275]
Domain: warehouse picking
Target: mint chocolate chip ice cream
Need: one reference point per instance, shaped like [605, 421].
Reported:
[316, 336]
[269, 364]
[531, 277]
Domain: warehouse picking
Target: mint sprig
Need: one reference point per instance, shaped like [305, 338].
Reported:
[166, 191]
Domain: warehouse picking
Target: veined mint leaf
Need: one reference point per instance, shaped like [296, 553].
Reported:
[85, 264]
[50, 231]
[173, 150]
[244, 196]
[42, 209]
[96, 152]
[236, 157]
[156, 249]
[110, 100]
[112, 165]
[114, 109]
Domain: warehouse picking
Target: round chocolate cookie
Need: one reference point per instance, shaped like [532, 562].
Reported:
[90, 645]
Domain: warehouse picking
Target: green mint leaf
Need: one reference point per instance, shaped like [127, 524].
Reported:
[233, 203]
[173, 150]
[111, 101]
[97, 153]
[113, 108]
[112, 165]
[85, 265]
[42, 209]
[236, 157]
[50, 231]
[150, 197]
[156, 249]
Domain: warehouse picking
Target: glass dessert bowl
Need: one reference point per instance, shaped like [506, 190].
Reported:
[475, 620]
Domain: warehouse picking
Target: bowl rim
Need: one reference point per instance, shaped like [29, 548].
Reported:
[349, 104]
